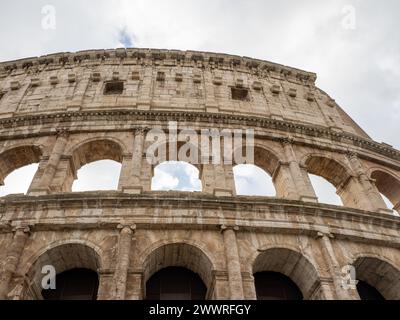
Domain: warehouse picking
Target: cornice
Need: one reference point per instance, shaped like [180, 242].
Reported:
[191, 201]
[143, 56]
[63, 118]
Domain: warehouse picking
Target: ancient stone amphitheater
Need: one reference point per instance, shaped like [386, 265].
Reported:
[66, 110]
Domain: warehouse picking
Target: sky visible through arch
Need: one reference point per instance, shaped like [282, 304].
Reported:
[352, 45]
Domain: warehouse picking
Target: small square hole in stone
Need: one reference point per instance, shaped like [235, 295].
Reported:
[240, 94]
[114, 87]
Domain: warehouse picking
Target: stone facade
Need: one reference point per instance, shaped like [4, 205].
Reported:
[66, 110]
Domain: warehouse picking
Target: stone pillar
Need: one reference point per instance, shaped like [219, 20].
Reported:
[299, 175]
[123, 260]
[105, 284]
[284, 183]
[368, 197]
[132, 164]
[333, 269]
[42, 185]
[12, 259]
[233, 263]
[249, 286]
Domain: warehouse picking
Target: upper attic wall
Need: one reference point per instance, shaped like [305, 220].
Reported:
[167, 80]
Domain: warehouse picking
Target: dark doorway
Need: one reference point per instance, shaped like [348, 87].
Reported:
[276, 286]
[368, 292]
[175, 283]
[74, 284]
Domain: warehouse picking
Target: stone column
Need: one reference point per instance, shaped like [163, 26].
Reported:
[333, 269]
[10, 264]
[233, 263]
[105, 284]
[299, 175]
[284, 183]
[369, 195]
[126, 237]
[42, 185]
[131, 173]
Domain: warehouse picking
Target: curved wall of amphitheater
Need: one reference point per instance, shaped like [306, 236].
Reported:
[66, 110]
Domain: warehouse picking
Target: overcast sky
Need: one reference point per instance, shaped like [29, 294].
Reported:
[353, 45]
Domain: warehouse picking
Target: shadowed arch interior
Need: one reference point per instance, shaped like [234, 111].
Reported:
[16, 158]
[388, 185]
[179, 255]
[379, 274]
[96, 150]
[327, 168]
[291, 264]
[63, 258]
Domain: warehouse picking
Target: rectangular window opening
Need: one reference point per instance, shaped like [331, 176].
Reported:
[114, 87]
[240, 94]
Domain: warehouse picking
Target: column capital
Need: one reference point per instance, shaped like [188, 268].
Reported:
[22, 229]
[321, 234]
[62, 132]
[225, 227]
[124, 228]
[140, 130]
[287, 140]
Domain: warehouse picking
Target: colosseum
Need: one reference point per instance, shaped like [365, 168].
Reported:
[66, 110]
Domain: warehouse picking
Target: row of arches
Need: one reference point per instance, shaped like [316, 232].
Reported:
[183, 271]
[96, 165]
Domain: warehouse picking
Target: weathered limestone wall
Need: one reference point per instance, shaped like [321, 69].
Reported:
[55, 112]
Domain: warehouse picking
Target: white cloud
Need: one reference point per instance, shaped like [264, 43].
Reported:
[253, 181]
[98, 175]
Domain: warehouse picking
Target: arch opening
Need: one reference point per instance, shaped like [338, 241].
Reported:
[98, 175]
[377, 279]
[325, 191]
[389, 187]
[251, 180]
[321, 170]
[74, 284]
[368, 292]
[273, 267]
[18, 166]
[176, 176]
[175, 283]
[71, 262]
[96, 166]
[276, 286]
[179, 255]
[19, 180]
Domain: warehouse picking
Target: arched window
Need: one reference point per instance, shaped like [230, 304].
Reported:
[96, 166]
[178, 271]
[98, 175]
[253, 181]
[175, 283]
[377, 279]
[328, 177]
[17, 168]
[276, 286]
[74, 284]
[19, 180]
[325, 191]
[389, 187]
[281, 273]
[176, 175]
[76, 278]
